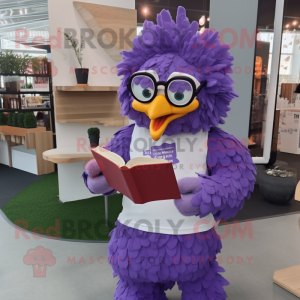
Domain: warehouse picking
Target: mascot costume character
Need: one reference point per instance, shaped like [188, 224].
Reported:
[176, 89]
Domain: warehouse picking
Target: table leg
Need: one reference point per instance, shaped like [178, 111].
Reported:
[106, 209]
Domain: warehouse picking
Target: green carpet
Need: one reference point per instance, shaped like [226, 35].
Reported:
[38, 209]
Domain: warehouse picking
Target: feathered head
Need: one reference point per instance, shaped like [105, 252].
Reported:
[170, 47]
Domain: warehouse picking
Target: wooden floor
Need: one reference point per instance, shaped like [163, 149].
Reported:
[289, 279]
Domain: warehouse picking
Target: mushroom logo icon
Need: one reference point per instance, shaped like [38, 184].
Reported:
[39, 258]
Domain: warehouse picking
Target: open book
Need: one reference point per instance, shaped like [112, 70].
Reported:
[142, 179]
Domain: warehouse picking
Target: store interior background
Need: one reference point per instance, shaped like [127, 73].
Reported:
[34, 17]
[41, 200]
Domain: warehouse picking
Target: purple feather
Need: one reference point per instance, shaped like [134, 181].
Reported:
[190, 265]
[178, 47]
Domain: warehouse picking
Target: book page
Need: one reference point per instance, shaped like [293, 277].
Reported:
[115, 158]
[140, 161]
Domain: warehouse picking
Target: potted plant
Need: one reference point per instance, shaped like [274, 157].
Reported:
[94, 136]
[3, 120]
[21, 120]
[29, 120]
[15, 120]
[10, 119]
[82, 74]
[11, 63]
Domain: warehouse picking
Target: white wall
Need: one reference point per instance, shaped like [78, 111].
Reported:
[237, 15]
[62, 15]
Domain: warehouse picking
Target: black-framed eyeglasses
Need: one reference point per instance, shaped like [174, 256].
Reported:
[180, 89]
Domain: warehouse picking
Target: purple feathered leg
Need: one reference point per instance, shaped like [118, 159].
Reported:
[209, 287]
[134, 290]
[150, 263]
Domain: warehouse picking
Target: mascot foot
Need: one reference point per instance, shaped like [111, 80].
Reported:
[140, 291]
[208, 288]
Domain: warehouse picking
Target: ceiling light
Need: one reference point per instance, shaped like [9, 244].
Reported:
[202, 21]
[208, 19]
[287, 26]
[145, 10]
[295, 22]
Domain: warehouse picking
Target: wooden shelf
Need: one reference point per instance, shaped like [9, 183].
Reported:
[87, 88]
[25, 75]
[10, 130]
[67, 155]
[89, 107]
[289, 279]
[100, 17]
[4, 92]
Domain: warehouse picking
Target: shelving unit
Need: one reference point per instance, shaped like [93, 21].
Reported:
[32, 92]
[88, 105]
[87, 88]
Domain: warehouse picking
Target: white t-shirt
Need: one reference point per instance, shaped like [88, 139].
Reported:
[187, 152]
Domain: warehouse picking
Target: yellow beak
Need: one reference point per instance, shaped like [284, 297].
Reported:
[161, 113]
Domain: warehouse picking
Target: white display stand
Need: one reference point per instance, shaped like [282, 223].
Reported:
[289, 129]
[71, 185]
[24, 159]
[102, 72]
[4, 159]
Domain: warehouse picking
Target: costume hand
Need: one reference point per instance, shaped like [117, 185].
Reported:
[94, 179]
[188, 187]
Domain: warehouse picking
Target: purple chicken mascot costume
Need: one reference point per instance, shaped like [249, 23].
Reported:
[176, 88]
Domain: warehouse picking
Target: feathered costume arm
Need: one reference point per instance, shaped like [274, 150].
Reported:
[231, 177]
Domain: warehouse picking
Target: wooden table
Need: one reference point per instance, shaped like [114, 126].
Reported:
[289, 279]
[67, 155]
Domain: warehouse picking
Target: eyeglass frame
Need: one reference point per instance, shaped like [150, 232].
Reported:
[166, 84]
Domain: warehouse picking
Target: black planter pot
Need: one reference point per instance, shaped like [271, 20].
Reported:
[276, 189]
[82, 75]
[94, 140]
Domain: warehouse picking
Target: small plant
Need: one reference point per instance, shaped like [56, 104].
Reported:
[29, 120]
[77, 49]
[94, 136]
[29, 86]
[21, 120]
[93, 130]
[14, 63]
[10, 119]
[3, 120]
[39, 65]
[15, 120]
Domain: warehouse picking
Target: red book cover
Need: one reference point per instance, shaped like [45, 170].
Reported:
[142, 179]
